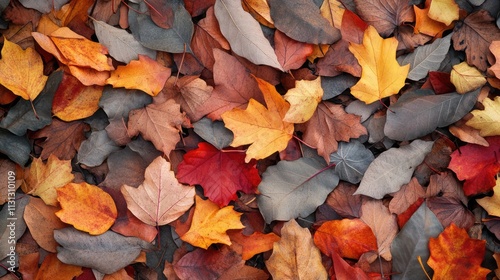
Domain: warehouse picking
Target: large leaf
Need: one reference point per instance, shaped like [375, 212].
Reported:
[244, 33]
[351, 161]
[426, 111]
[174, 40]
[121, 44]
[294, 189]
[392, 169]
[426, 58]
[301, 20]
[17, 148]
[107, 253]
[411, 243]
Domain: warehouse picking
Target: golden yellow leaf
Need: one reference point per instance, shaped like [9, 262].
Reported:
[86, 207]
[144, 74]
[426, 25]
[333, 11]
[303, 99]
[492, 203]
[318, 52]
[487, 120]
[21, 71]
[445, 11]
[466, 78]
[263, 128]
[381, 75]
[210, 224]
[43, 179]
[295, 256]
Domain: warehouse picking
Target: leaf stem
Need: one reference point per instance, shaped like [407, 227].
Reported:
[180, 66]
[302, 141]
[422, 266]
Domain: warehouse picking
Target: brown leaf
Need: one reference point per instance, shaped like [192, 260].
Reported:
[385, 15]
[383, 224]
[7, 177]
[344, 202]
[62, 139]
[436, 161]
[446, 185]
[117, 131]
[450, 210]
[291, 54]
[474, 35]
[197, 7]
[126, 167]
[16, 13]
[161, 12]
[338, 60]
[406, 196]
[330, 124]
[408, 40]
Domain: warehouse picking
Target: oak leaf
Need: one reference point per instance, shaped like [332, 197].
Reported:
[259, 126]
[210, 224]
[295, 255]
[43, 179]
[303, 99]
[160, 199]
[379, 54]
[145, 74]
[220, 173]
[86, 207]
[445, 11]
[22, 71]
[466, 78]
[487, 120]
[453, 254]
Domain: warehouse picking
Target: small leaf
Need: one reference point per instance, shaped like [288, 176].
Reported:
[214, 133]
[466, 78]
[351, 161]
[17, 148]
[96, 149]
[303, 99]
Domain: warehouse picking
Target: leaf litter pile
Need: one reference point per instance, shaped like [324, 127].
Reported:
[253, 139]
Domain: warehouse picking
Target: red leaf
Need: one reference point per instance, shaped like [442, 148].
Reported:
[353, 27]
[344, 271]
[441, 82]
[291, 54]
[477, 165]
[221, 174]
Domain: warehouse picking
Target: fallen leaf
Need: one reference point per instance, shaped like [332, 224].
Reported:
[303, 99]
[210, 224]
[342, 200]
[160, 199]
[162, 13]
[477, 165]
[380, 54]
[337, 60]
[259, 126]
[44, 179]
[492, 203]
[426, 25]
[351, 161]
[220, 184]
[454, 254]
[385, 15]
[96, 149]
[291, 54]
[118, 102]
[344, 271]
[487, 121]
[451, 210]
[125, 167]
[445, 11]
[349, 238]
[466, 78]
[86, 207]
[440, 82]
[253, 244]
[214, 133]
[53, 268]
[406, 196]
[196, 7]
[22, 71]
[259, 9]
[145, 74]
[333, 11]
[17, 148]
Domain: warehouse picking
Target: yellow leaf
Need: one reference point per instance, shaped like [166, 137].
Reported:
[426, 25]
[53, 268]
[144, 74]
[487, 120]
[466, 78]
[21, 71]
[263, 128]
[86, 207]
[210, 224]
[318, 52]
[333, 11]
[303, 99]
[43, 179]
[492, 204]
[381, 75]
[445, 11]
[295, 256]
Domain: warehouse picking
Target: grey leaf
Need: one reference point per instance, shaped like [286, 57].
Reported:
[360, 108]
[118, 102]
[333, 86]
[294, 189]
[44, 7]
[392, 169]
[214, 133]
[17, 148]
[96, 149]
[352, 160]
[420, 112]
[12, 222]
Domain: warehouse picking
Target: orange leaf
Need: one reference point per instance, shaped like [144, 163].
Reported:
[445, 11]
[43, 179]
[160, 199]
[53, 268]
[86, 207]
[426, 25]
[259, 126]
[210, 224]
[253, 244]
[291, 54]
[348, 237]
[454, 255]
[381, 75]
[21, 71]
[303, 99]
[144, 74]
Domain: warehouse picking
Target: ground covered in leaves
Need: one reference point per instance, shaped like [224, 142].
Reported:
[252, 139]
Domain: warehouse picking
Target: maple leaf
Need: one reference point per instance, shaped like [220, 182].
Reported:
[22, 71]
[220, 173]
[381, 75]
[210, 224]
[43, 179]
[159, 123]
[487, 120]
[86, 207]
[160, 199]
[144, 74]
[453, 254]
[477, 165]
[295, 255]
[303, 99]
[259, 126]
